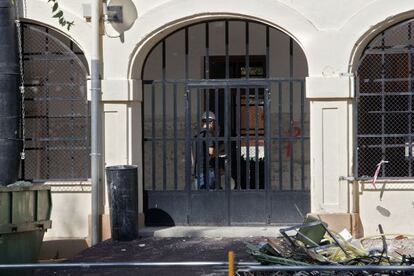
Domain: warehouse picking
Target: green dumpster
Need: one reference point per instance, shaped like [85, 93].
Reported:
[24, 218]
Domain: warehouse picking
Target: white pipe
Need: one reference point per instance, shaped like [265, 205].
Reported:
[96, 121]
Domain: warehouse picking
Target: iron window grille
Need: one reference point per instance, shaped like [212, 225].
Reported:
[385, 105]
[56, 108]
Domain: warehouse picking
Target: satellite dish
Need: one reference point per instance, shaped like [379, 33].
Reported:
[125, 11]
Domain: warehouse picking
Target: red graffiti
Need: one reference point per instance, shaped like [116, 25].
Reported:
[295, 131]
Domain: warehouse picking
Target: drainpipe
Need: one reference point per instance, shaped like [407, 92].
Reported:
[96, 121]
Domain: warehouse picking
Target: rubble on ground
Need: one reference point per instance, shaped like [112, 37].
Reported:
[312, 243]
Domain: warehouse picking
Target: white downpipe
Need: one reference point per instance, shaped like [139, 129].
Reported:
[96, 122]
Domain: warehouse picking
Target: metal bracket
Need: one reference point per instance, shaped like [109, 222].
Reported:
[351, 75]
[114, 14]
[347, 178]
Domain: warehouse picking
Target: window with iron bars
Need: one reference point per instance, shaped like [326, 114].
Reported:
[56, 109]
[385, 121]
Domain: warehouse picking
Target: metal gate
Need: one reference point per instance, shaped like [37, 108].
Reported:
[250, 146]
[251, 166]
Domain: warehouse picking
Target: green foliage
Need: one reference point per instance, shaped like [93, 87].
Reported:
[58, 13]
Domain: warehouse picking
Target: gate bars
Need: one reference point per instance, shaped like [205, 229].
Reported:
[168, 139]
[158, 134]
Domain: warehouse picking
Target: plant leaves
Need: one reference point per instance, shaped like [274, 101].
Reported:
[70, 24]
[58, 14]
[62, 21]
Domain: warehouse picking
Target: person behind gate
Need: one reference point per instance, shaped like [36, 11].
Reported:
[204, 153]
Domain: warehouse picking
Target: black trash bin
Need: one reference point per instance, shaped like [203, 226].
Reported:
[123, 201]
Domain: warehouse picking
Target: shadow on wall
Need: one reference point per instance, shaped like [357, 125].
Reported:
[383, 211]
[158, 217]
[69, 214]
[61, 249]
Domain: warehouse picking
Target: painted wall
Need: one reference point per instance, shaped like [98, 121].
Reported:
[332, 34]
[389, 203]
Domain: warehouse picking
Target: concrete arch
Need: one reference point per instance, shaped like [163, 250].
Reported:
[187, 12]
[368, 23]
[79, 33]
[84, 62]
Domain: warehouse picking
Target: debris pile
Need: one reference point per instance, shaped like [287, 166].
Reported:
[312, 243]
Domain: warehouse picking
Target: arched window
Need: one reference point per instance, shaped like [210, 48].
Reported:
[56, 109]
[385, 106]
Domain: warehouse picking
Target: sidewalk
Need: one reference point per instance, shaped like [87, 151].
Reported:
[211, 231]
[156, 249]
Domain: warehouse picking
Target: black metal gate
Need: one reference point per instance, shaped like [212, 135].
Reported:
[245, 141]
[229, 200]
[249, 166]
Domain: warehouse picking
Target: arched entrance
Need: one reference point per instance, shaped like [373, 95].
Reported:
[56, 109]
[252, 167]
[385, 105]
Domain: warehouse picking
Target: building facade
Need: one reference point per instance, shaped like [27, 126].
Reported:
[310, 96]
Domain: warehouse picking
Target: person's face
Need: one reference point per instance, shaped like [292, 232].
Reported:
[210, 124]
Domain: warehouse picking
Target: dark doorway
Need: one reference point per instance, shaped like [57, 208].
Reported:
[246, 107]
